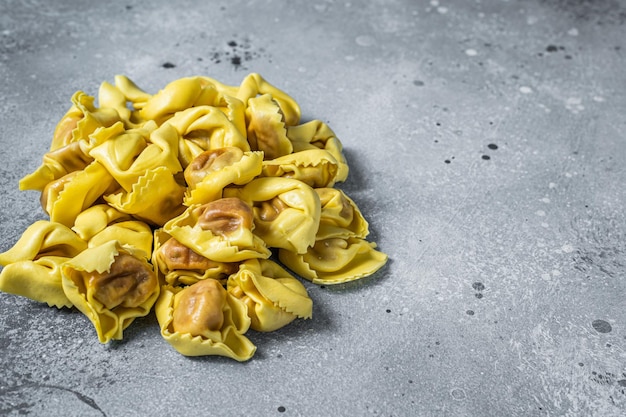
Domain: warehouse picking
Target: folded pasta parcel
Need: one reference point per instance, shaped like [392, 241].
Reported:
[273, 296]
[176, 264]
[211, 171]
[205, 128]
[102, 223]
[82, 119]
[220, 230]
[204, 319]
[286, 211]
[112, 285]
[32, 267]
[144, 163]
[340, 252]
[314, 167]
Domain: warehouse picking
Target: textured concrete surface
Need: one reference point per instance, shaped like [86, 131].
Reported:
[488, 151]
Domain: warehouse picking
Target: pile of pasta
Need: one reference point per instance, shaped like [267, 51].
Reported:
[205, 202]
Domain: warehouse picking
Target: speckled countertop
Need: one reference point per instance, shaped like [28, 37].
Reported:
[487, 146]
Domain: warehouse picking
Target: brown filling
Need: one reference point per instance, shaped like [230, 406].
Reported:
[269, 210]
[198, 308]
[225, 216]
[128, 283]
[211, 161]
[178, 256]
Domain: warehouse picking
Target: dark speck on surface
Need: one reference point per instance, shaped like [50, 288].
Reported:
[168, 65]
[486, 157]
[418, 83]
[479, 287]
[552, 48]
[237, 53]
[492, 146]
[601, 326]
[470, 312]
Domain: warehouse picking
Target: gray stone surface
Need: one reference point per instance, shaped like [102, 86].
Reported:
[505, 290]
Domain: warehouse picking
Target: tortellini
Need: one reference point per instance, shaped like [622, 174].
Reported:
[335, 260]
[220, 230]
[316, 134]
[314, 167]
[204, 319]
[206, 128]
[286, 211]
[266, 129]
[64, 199]
[32, 267]
[340, 216]
[181, 265]
[112, 286]
[273, 296]
[212, 171]
[193, 202]
[82, 119]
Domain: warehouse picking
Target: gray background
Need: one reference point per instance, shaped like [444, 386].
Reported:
[504, 294]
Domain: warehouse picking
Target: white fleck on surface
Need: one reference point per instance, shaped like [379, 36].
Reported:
[540, 213]
[574, 104]
[471, 52]
[458, 394]
[525, 89]
[365, 40]
[545, 200]
[573, 32]
[442, 10]
[531, 20]
[545, 108]
[567, 248]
